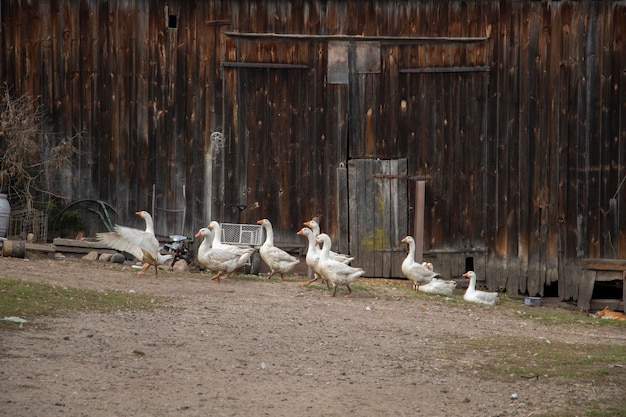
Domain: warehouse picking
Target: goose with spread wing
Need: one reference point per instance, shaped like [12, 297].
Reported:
[279, 261]
[142, 244]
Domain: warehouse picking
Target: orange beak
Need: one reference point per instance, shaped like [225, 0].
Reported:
[260, 221]
[307, 224]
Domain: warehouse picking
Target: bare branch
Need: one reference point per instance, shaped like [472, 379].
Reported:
[28, 160]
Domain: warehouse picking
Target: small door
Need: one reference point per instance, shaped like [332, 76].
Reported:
[378, 210]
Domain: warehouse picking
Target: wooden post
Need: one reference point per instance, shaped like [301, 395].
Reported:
[420, 188]
[624, 291]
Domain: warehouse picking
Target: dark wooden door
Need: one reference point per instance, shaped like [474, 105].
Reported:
[378, 215]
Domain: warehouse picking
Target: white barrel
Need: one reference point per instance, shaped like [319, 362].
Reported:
[5, 211]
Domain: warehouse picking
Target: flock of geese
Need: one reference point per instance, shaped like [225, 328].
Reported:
[328, 266]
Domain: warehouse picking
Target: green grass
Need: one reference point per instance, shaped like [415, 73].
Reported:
[557, 317]
[511, 358]
[30, 300]
[541, 358]
[607, 413]
[593, 411]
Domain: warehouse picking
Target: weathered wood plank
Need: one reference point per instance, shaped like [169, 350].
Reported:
[603, 264]
[609, 275]
[586, 289]
[619, 76]
[526, 82]
[554, 138]
[343, 212]
[355, 215]
[538, 109]
[402, 222]
[80, 246]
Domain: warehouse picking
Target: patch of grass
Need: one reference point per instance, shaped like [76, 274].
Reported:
[560, 317]
[29, 300]
[618, 410]
[251, 277]
[511, 357]
[606, 413]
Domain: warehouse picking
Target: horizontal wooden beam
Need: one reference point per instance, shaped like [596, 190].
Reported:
[604, 264]
[222, 22]
[404, 177]
[262, 65]
[440, 70]
[358, 38]
[457, 250]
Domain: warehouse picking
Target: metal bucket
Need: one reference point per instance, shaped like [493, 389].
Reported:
[14, 248]
[533, 301]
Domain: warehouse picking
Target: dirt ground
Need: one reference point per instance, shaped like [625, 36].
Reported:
[265, 348]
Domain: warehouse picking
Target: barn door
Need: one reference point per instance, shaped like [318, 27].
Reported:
[378, 215]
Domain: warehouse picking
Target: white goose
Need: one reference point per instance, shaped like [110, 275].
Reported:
[315, 227]
[217, 260]
[142, 244]
[439, 287]
[338, 273]
[312, 256]
[476, 296]
[414, 271]
[244, 253]
[277, 259]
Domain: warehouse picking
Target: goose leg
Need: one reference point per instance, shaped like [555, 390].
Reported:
[315, 278]
[144, 267]
[216, 277]
[349, 291]
[270, 276]
[335, 291]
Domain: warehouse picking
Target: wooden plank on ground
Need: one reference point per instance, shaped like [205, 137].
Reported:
[80, 246]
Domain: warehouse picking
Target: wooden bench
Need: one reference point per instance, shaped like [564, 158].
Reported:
[600, 270]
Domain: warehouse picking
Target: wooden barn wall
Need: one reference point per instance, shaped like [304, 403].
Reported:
[143, 95]
[524, 142]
